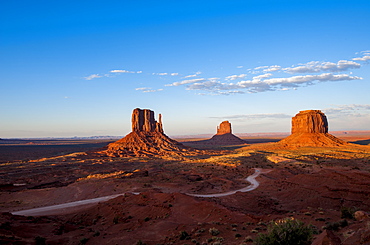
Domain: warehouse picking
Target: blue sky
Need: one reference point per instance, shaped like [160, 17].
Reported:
[79, 68]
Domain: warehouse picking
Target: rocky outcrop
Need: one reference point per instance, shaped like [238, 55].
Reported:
[223, 136]
[310, 128]
[146, 139]
[224, 128]
[143, 120]
[310, 121]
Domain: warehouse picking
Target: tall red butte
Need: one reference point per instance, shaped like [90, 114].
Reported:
[310, 128]
[146, 139]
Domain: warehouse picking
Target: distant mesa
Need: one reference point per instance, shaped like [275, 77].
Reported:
[146, 139]
[224, 136]
[310, 128]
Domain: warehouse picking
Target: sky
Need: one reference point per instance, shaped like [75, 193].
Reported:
[79, 68]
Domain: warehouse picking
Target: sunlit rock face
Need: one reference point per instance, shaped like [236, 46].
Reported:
[310, 128]
[146, 139]
[310, 121]
[224, 128]
[143, 120]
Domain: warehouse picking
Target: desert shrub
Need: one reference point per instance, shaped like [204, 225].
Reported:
[184, 235]
[335, 225]
[348, 212]
[116, 219]
[286, 231]
[84, 240]
[213, 231]
[40, 240]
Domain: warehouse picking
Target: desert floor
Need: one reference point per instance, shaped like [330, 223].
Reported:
[314, 185]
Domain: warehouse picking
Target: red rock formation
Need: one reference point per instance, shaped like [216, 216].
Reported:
[146, 139]
[224, 128]
[310, 121]
[223, 136]
[310, 128]
[143, 120]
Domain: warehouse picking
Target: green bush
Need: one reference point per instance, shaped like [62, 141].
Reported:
[348, 212]
[286, 231]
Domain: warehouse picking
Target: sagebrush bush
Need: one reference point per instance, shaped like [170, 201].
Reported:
[348, 212]
[213, 231]
[286, 231]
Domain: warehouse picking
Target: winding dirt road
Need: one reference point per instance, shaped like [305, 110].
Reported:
[251, 179]
[57, 208]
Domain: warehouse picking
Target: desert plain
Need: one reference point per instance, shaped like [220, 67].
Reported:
[154, 195]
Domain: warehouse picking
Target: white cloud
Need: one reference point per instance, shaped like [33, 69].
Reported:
[186, 82]
[317, 66]
[261, 67]
[353, 109]
[263, 83]
[239, 67]
[166, 74]
[92, 76]
[193, 75]
[189, 76]
[363, 58]
[259, 77]
[234, 77]
[148, 90]
[272, 68]
[307, 79]
[122, 71]
[152, 90]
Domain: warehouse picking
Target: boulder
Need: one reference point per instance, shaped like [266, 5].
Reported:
[361, 215]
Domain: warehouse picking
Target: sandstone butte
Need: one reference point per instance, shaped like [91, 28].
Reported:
[146, 139]
[224, 136]
[310, 128]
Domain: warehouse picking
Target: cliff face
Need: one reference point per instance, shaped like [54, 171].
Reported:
[143, 120]
[224, 128]
[310, 121]
[146, 139]
[310, 128]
